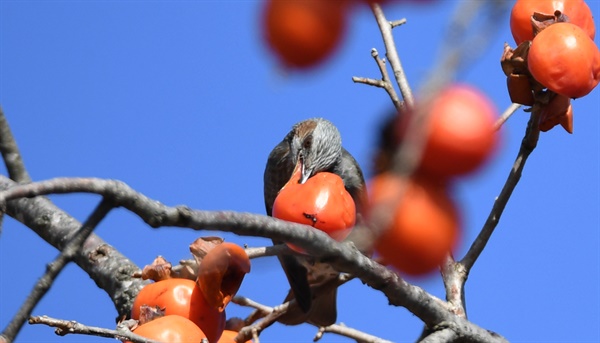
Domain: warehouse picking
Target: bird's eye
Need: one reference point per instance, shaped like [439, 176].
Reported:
[307, 143]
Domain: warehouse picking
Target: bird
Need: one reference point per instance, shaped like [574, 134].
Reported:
[316, 145]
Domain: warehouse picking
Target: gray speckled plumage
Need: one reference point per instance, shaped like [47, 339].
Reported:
[318, 145]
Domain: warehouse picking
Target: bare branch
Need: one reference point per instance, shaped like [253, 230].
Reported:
[385, 81]
[528, 144]
[244, 301]
[10, 153]
[344, 257]
[398, 22]
[454, 276]
[97, 258]
[392, 54]
[369, 82]
[269, 316]
[505, 115]
[343, 330]
[64, 327]
[335, 328]
[53, 270]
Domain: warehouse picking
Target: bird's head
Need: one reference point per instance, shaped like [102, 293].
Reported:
[316, 145]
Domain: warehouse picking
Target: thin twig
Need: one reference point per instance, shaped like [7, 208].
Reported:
[10, 153]
[392, 56]
[528, 144]
[54, 268]
[354, 334]
[272, 250]
[506, 114]
[385, 81]
[335, 328]
[64, 327]
[271, 314]
[398, 22]
[369, 82]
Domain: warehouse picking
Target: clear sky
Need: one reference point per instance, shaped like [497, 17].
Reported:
[182, 101]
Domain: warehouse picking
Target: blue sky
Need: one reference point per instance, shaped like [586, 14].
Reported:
[182, 101]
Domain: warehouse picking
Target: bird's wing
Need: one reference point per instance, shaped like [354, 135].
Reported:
[277, 173]
[350, 171]
[354, 181]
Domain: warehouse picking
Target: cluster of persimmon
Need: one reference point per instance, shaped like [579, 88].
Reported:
[304, 33]
[190, 306]
[424, 224]
[555, 60]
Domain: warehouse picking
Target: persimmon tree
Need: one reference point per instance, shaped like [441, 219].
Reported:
[414, 179]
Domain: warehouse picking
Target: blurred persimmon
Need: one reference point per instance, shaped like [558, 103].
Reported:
[424, 226]
[460, 132]
[303, 33]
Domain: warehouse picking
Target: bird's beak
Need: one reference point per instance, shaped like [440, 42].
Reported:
[304, 172]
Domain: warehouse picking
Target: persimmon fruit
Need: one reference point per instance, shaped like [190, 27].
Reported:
[322, 202]
[228, 337]
[577, 11]
[304, 33]
[424, 227]
[565, 60]
[182, 297]
[460, 135]
[170, 329]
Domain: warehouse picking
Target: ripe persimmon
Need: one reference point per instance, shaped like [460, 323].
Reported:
[322, 202]
[577, 11]
[170, 329]
[303, 33]
[184, 298]
[228, 336]
[424, 226]
[460, 132]
[565, 60]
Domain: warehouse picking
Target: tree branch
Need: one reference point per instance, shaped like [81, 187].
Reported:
[344, 257]
[385, 81]
[64, 327]
[440, 336]
[335, 328]
[53, 270]
[10, 153]
[528, 144]
[509, 111]
[343, 330]
[392, 56]
[110, 270]
[454, 276]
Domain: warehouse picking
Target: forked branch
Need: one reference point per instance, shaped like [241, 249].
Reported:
[53, 270]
